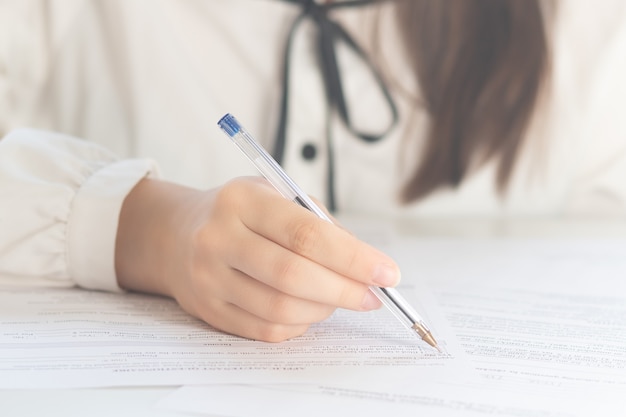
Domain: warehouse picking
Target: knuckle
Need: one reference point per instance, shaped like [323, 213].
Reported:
[354, 260]
[282, 309]
[274, 333]
[229, 195]
[347, 297]
[304, 236]
[284, 273]
[208, 310]
[200, 239]
[324, 313]
[205, 241]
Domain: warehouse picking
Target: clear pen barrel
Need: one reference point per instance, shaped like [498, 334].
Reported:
[272, 171]
[400, 308]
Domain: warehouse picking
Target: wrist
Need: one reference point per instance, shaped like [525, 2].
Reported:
[146, 236]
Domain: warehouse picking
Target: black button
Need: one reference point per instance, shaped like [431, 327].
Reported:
[309, 151]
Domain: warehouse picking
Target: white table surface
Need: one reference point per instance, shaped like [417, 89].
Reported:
[140, 401]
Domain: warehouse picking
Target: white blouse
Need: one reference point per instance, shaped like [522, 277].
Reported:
[147, 80]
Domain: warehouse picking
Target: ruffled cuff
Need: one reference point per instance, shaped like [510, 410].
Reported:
[93, 220]
[61, 201]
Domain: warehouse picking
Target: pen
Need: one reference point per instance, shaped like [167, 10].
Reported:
[273, 172]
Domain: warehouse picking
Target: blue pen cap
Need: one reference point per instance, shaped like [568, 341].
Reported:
[229, 124]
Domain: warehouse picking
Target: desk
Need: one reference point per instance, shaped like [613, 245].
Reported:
[106, 402]
[139, 402]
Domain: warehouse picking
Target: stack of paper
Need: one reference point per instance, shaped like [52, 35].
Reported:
[528, 329]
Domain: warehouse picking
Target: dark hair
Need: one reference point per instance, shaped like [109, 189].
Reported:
[480, 65]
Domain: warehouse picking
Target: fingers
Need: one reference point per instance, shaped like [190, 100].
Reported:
[270, 304]
[303, 233]
[237, 321]
[246, 307]
[254, 264]
[294, 278]
[241, 305]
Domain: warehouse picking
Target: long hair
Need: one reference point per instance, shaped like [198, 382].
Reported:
[480, 65]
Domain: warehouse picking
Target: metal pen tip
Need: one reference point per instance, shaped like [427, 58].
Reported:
[425, 334]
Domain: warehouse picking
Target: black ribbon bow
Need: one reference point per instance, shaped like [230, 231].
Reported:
[330, 33]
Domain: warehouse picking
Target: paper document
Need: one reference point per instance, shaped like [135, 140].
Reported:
[538, 314]
[544, 322]
[541, 339]
[55, 338]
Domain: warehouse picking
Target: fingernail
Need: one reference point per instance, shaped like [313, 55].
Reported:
[386, 275]
[370, 302]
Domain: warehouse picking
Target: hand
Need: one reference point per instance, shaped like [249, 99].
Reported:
[243, 258]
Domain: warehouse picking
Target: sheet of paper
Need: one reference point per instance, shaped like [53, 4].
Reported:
[56, 338]
[528, 337]
[536, 313]
[543, 321]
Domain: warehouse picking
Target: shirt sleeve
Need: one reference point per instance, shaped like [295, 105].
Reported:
[61, 200]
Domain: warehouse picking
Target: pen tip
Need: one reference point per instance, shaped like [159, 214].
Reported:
[426, 336]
